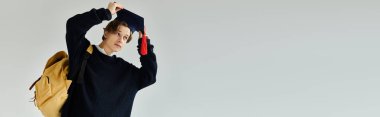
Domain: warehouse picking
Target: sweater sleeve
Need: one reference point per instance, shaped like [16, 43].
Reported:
[78, 25]
[76, 29]
[148, 70]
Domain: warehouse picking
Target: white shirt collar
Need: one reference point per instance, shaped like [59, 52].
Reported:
[102, 50]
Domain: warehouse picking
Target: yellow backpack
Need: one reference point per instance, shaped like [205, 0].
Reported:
[51, 88]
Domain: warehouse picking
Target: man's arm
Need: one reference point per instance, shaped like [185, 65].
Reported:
[148, 70]
[78, 25]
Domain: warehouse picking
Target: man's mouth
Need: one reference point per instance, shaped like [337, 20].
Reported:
[118, 45]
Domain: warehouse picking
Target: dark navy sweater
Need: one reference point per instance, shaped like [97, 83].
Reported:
[110, 83]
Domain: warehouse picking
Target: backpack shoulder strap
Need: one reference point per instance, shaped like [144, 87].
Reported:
[90, 49]
[84, 63]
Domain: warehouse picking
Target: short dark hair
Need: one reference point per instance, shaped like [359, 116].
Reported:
[114, 25]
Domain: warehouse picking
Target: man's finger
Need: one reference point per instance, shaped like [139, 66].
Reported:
[145, 29]
[119, 6]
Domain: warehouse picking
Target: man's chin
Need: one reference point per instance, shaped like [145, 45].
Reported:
[117, 49]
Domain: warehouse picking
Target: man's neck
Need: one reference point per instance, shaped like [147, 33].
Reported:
[106, 49]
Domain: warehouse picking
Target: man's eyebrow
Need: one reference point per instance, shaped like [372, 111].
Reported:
[127, 35]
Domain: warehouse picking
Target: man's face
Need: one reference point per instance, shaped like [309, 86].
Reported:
[116, 40]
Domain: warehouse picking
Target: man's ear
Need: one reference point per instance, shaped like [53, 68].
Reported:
[105, 34]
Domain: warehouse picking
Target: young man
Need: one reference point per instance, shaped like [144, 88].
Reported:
[110, 83]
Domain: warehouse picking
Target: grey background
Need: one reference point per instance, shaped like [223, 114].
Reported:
[217, 58]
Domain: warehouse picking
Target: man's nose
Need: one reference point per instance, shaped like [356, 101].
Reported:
[120, 39]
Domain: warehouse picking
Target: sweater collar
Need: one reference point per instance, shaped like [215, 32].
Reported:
[103, 51]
